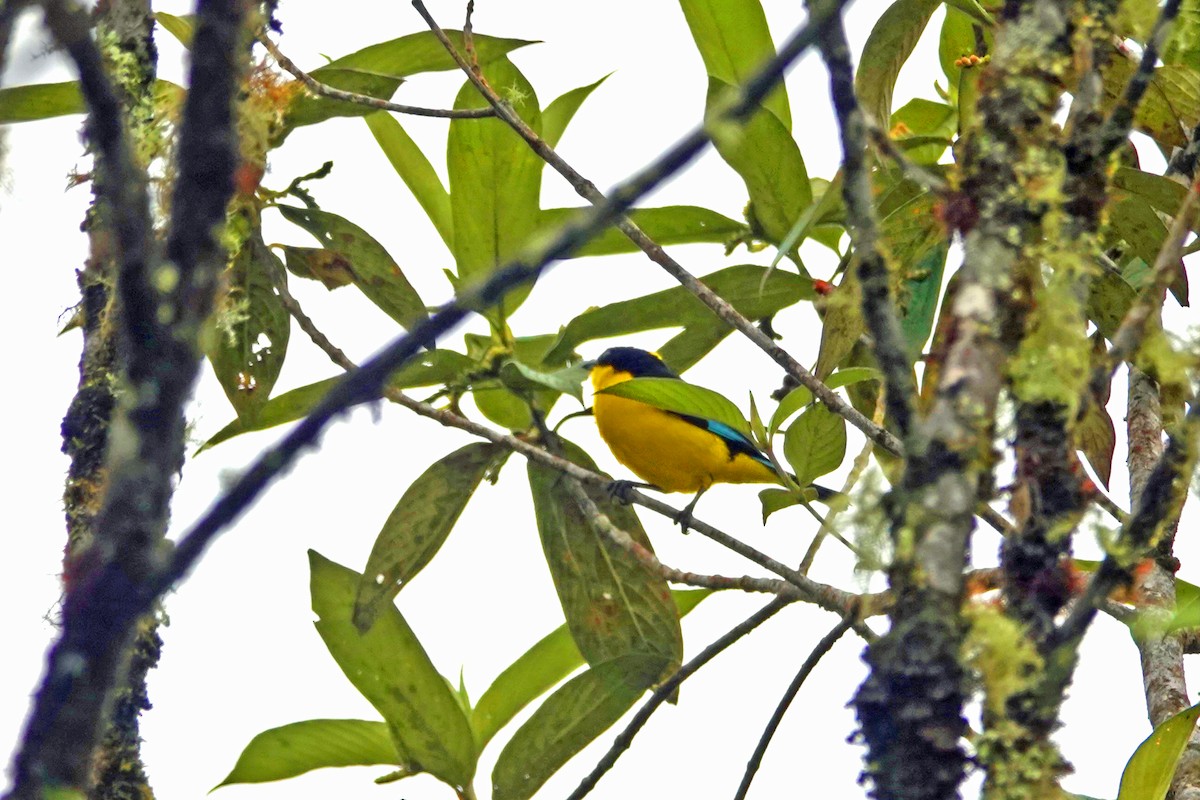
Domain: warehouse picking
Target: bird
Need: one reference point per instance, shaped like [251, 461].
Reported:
[671, 452]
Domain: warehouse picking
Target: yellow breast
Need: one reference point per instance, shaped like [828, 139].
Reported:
[662, 449]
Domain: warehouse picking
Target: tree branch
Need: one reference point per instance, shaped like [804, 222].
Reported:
[1165, 488]
[367, 383]
[325, 90]
[1120, 121]
[1132, 329]
[161, 308]
[878, 307]
[740, 109]
[667, 689]
[824, 646]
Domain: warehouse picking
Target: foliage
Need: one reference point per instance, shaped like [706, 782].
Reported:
[621, 636]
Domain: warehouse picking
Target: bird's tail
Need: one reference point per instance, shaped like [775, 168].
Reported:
[824, 493]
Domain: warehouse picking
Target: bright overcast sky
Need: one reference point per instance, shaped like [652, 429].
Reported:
[241, 654]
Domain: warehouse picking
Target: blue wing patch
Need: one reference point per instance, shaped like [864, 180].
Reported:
[735, 440]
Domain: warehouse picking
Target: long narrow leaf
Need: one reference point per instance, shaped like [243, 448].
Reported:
[300, 747]
[390, 668]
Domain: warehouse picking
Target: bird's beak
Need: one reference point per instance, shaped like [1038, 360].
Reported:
[588, 365]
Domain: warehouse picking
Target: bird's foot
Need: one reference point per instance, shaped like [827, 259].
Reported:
[622, 491]
[683, 519]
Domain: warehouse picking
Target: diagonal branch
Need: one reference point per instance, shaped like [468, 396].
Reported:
[878, 306]
[1120, 121]
[739, 110]
[1165, 488]
[367, 383]
[667, 690]
[325, 90]
[824, 646]
[1132, 329]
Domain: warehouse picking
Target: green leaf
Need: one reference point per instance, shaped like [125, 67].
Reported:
[1097, 438]
[852, 375]
[956, 41]
[734, 42]
[557, 115]
[826, 207]
[1171, 105]
[685, 349]
[569, 380]
[182, 27]
[376, 274]
[570, 718]
[318, 264]
[763, 152]
[495, 182]
[1109, 296]
[419, 52]
[378, 71]
[800, 397]
[1148, 774]
[614, 605]
[248, 350]
[792, 402]
[507, 402]
[667, 226]
[815, 444]
[418, 526]
[1134, 220]
[742, 286]
[973, 9]
[310, 109]
[1161, 192]
[415, 170]
[295, 749]
[922, 287]
[888, 46]
[392, 671]
[925, 121]
[773, 500]
[541, 667]
[40, 101]
[681, 397]
[427, 369]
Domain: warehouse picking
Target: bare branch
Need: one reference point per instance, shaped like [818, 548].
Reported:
[824, 646]
[667, 689]
[1129, 334]
[367, 383]
[325, 90]
[1165, 488]
[1120, 121]
[878, 307]
[739, 110]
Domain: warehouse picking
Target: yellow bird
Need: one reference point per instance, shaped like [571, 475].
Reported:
[672, 452]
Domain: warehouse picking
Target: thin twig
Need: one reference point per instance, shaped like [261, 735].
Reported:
[367, 383]
[667, 689]
[823, 595]
[785, 702]
[325, 90]
[916, 173]
[879, 309]
[1129, 334]
[738, 110]
[1120, 121]
[1163, 489]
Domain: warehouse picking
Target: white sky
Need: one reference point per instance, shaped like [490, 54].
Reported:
[241, 655]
